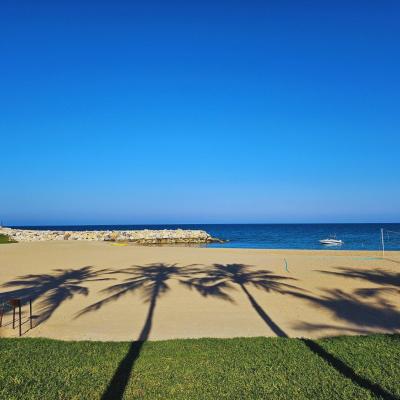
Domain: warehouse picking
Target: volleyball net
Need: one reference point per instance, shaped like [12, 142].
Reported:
[389, 240]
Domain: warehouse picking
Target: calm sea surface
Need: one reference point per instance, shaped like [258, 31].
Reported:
[278, 236]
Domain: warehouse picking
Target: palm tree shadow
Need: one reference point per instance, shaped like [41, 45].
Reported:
[152, 280]
[349, 308]
[387, 281]
[119, 381]
[378, 313]
[218, 280]
[51, 290]
[366, 318]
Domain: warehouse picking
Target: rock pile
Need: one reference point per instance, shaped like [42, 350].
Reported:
[145, 236]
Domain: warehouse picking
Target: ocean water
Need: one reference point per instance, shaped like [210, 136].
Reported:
[277, 236]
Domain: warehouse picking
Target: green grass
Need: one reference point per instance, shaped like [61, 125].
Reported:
[5, 239]
[244, 368]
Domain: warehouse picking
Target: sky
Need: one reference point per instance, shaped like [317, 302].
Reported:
[145, 112]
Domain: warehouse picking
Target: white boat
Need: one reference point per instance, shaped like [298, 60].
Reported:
[331, 242]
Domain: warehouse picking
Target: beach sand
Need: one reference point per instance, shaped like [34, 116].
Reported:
[198, 292]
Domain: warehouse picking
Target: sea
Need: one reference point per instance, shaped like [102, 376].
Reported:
[277, 236]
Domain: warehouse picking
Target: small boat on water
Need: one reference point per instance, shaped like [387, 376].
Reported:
[331, 242]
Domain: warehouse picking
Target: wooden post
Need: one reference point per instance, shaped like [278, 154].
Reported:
[13, 316]
[30, 311]
[20, 318]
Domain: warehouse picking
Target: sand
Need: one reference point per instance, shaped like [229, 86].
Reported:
[99, 291]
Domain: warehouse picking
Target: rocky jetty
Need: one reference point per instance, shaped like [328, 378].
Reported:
[145, 236]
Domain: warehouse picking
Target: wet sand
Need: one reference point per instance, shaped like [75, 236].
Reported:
[99, 291]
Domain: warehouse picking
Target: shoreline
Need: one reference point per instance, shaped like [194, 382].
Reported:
[202, 246]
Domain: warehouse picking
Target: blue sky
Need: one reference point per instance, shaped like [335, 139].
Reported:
[199, 112]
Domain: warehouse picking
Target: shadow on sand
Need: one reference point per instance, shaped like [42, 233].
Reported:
[219, 279]
[365, 308]
[387, 281]
[351, 309]
[49, 291]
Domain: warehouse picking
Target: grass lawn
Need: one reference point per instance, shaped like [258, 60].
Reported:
[5, 239]
[246, 368]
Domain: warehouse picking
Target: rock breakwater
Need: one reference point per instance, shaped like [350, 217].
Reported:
[145, 236]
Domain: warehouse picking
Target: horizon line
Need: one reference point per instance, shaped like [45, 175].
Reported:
[204, 223]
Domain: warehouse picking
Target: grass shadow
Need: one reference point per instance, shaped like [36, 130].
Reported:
[348, 372]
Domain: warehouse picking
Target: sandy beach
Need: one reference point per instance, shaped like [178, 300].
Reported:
[103, 291]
